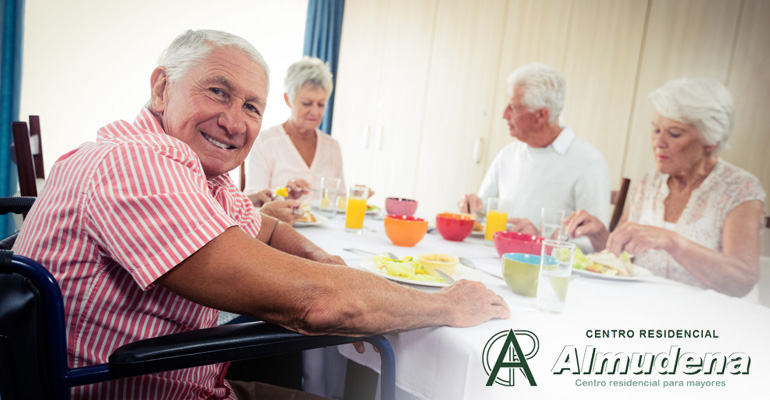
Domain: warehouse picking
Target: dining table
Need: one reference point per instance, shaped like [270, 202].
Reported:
[642, 338]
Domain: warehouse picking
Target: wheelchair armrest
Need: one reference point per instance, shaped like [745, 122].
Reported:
[211, 346]
[16, 204]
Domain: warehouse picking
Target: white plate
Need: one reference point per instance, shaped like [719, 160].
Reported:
[477, 233]
[640, 273]
[461, 272]
[319, 219]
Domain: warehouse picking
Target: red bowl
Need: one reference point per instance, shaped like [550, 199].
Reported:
[515, 242]
[454, 227]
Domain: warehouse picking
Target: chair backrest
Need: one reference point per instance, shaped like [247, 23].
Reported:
[618, 199]
[27, 153]
[25, 163]
[36, 145]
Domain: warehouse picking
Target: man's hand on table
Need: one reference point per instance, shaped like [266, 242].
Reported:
[472, 303]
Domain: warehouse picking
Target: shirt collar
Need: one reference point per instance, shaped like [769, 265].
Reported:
[146, 120]
[562, 142]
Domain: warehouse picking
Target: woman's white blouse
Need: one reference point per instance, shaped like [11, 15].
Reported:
[274, 161]
[702, 220]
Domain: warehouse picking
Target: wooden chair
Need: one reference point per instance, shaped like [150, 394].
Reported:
[242, 183]
[618, 199]
[27, 152]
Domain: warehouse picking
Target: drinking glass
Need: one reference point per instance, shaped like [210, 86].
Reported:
[325, 196]
[555, 271]
[497, 217]
[356, 209]
[552, 224]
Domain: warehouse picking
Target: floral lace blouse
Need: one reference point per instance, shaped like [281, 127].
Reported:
[702, 219]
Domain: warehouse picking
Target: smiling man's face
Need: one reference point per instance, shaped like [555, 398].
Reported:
[216, 107]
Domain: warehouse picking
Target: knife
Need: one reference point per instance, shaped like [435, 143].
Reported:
[468, 263]
[445, 276]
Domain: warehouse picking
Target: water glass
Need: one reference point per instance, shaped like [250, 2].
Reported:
[356, 209]
[552, 224]
[325, 196]
[555, 272]
[497, 217]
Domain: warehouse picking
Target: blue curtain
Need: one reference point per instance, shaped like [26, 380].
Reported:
[323, 29]
[10, 90]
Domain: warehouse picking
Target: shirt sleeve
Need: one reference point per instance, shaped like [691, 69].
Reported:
[744, 187]
[258, 171]
[340, 170]
[592, 191]
[489, 185]
[150, 208]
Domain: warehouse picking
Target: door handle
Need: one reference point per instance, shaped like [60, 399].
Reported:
[477, 150]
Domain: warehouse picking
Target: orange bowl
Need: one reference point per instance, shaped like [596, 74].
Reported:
[404, 230]
[516, 242]
[454, 227]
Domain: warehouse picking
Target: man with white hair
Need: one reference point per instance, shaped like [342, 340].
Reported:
[147, 236]
[548, 166]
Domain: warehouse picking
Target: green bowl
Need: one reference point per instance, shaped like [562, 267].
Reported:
[520, 272]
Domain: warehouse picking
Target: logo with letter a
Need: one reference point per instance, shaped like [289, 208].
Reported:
[503, 355]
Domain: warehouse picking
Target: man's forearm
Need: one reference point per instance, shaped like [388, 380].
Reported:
[287, 239]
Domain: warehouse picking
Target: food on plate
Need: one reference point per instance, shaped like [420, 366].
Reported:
[407, 268]
[478, 227]
[307, 216]
[372, 208]
[604, 263]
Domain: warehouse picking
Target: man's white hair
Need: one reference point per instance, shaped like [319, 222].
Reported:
[308, 71]
[542, 86]
[192, 48]
[703, 102]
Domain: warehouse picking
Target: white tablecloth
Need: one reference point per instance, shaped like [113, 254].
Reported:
[447, 363]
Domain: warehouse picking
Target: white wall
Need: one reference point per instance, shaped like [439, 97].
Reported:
[88, 62]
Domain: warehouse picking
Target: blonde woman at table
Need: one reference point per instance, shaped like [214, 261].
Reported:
[695, 219]
[295, 153]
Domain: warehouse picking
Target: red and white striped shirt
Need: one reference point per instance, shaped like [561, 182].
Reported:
[115, 215]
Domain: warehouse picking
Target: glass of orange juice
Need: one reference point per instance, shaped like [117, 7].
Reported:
[356, 209]
[497, 217]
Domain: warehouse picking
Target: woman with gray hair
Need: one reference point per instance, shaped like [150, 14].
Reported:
[295, 153]
[696, 219]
